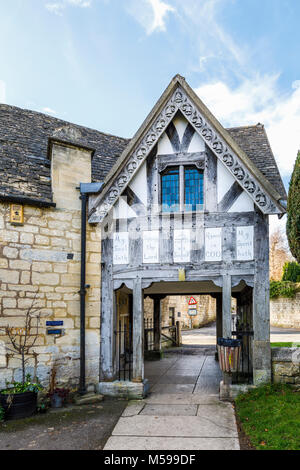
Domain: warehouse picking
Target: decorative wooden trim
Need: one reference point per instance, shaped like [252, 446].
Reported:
[180, 101]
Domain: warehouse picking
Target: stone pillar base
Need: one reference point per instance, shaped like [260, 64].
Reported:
[125, 389]
[228, 392]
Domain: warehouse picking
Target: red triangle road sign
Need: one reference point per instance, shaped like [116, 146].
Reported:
[192, 301]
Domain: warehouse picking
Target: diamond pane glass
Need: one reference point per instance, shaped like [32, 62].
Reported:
[170, 190]
[193, 187]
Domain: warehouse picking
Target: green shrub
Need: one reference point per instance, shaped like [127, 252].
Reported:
[291, 272]
[2, 413]
[282, 289]
[293, 210]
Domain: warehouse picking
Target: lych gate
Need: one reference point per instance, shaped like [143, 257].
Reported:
[184, 211]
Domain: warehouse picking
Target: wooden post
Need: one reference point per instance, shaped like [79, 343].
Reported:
[138, 332]
[108, 316]
[178, 333]
[261, 313]
[219, 315]
[226, 306]
[157, 322]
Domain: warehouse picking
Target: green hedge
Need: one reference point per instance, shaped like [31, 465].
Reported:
[283, 289]
[293, 210]
[291, 272]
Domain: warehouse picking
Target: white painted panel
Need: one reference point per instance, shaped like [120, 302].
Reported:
[151, 246]
[124, 210]
[181, 124]
[121, 248]
[164, 145]
[224, 180]
[244, 203]
[213, 244]
[182, 246]
[197, 144]
[139, 183]
[244, 243]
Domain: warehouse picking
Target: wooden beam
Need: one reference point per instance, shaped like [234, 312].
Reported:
[157, 322]
[226, 306]
[210, 182]
[138, 332]
[230, 197]
[187, 138]
[261, 301]
[108, 315]
[173, 137]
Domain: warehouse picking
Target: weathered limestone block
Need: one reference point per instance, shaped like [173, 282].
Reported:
[9, 236]
[10, 252]
[51, 279]
[9, 303]
[19, 264]
[286, 365]
[26, 238]
[25, 277]
[12, 277]
[41, 240]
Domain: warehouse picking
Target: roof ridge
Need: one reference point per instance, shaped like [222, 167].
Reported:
[259, 125]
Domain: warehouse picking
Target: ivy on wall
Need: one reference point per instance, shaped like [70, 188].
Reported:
[283, 289]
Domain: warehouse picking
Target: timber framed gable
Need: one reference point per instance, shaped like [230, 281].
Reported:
[179, 97]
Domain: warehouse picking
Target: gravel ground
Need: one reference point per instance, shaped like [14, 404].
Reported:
[84, 427]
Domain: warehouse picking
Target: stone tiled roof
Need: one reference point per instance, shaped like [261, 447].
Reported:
[25, 166]
[254, 142]
[24, 140]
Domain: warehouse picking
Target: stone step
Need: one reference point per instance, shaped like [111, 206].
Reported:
[89, 399]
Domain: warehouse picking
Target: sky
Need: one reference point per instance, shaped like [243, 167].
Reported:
[104, 63]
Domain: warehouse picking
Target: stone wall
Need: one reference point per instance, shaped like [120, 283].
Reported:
[285, 312]
[286, 366]
[206, 310]
[34, 264]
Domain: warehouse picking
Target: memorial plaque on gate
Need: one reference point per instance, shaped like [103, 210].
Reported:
[121, 248]
[213, 244]
[151, 246]
[244, 243]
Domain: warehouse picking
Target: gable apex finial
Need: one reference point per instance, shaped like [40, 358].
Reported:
[179, 77]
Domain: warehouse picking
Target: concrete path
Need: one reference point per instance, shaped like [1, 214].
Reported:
[182, 412]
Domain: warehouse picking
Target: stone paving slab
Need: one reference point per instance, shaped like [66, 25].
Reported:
[182, 399]
[170, 443]
[182, 371]
[219, 413]
[166, 410]
[133, 408]
[172, 388]
[173, 426]
[177, 379]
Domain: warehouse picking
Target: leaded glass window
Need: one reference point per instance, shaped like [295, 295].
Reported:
[193, 188]
[170, 190]
[182, 189]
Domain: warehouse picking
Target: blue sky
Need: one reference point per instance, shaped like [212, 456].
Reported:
[104, 63]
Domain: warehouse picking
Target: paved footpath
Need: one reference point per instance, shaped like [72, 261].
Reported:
[182, 412]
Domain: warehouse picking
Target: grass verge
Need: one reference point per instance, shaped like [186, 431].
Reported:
[285, 345]
[270, 417]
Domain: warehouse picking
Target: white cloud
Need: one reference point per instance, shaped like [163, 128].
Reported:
[151, 14]
[58, 7]
[2, 92]
[259, 100]
[48, 110]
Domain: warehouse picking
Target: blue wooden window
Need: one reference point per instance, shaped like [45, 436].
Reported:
[193, 188]
[170, 190]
